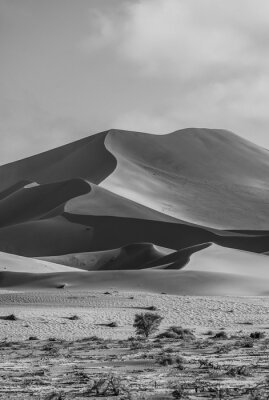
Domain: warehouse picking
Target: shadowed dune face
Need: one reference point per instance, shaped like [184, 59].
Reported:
[36, 202]
[103, 205]
[72, 233]
[87, 158]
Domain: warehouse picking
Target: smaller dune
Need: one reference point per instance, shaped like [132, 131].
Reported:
[133, 256]
[192, 283]
[224, 260]
[13, 263]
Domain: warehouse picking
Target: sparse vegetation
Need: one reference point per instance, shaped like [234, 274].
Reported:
[10, 317]
[221, 335]
[112, 324]
[73, 318]
[257, 335]
[177, 332]
[146, 324]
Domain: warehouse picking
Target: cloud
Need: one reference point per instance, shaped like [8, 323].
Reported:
[189, 39]
[209, 59]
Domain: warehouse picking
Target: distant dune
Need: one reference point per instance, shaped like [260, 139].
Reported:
[187, 208]
[155, 281]
[12, 263]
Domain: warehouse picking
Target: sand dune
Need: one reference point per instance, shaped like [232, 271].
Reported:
[100, 201]
[220, 259]
[190, 174]
[153, 281]
[86, 158]
[131, 257]
[45, 237]
[72, 233]
[196, 173]
[105, 203]
[13, 263]
[26, 204]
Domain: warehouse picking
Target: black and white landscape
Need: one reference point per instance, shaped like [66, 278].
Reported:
[134, 262]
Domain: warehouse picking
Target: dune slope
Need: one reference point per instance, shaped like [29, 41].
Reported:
[105, 203]
[154, 281]
[86, 158]
[205, 176]
[13, 263]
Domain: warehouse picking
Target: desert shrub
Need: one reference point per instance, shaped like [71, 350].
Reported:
[225, 348]
[246, 343]
[258, 394]
[152, 308]
[61, 286]
[221, 335]
[168, 359]
[205, 363]
[33, 338]
[257, 335]
[177, 332]
[180, 392]
[10, 317]
[136, 345]
[241, 370]
[209, 333]
[107, 386]
[147, 323]
[112, 324]
[73, 318]
[54, 396]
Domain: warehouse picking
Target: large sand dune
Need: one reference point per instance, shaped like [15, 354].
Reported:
[196, 173]
[130, 206]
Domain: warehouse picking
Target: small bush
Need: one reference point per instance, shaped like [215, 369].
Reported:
[10, 317]
[177, 332]
[54, 396]
[246, 343]
[147, 324]
[73, 318]
[107, 386]
[33, 338]
[112, 324]
[62, 286]
[180, 393]
[241, 370]
[257, 335]
[209, 333]
[167, 359]
[152, 308]
[221, 335]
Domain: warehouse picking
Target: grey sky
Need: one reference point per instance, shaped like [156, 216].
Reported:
[70, 68]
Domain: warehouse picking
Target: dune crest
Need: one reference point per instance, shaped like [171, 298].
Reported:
[195, 174]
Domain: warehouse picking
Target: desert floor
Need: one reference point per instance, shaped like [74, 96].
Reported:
[46, 355]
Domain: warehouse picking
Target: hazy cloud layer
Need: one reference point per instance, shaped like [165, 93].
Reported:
[71, 68]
